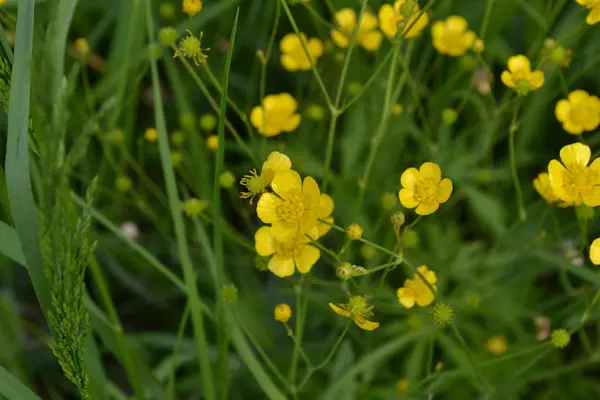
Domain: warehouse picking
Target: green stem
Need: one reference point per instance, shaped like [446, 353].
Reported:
[463, 343]
[263, 70]
[486, 18]
[296, 344]
[300, 317]
[513, 163]
[182, 324]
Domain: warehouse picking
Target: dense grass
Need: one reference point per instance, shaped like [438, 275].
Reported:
[122, 294]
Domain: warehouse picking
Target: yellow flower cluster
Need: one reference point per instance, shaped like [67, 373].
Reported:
[292, 209]
[416, 291]
[294, 57]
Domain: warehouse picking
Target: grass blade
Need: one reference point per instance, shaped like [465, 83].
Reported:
[12, 388]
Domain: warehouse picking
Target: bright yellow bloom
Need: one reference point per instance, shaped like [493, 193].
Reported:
[282, 313]
[293, 56]
[496, 345]
[326, 206]
[276, 114]
[192, 7]
[416, 291]
[390, 16]
[257, 184]
[574, 181]
[424, 188]
[357, 310]
[151, 135]
[595, 252]
[579, 112]
[212, 142]
[368, 36]
[520, 77]
[294, 207]
[452, 36]
[594, 7]
[288, 255]
[543, 187]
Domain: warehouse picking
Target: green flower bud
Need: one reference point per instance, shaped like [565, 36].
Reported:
[123, 183]
[227, 180]
[168, 36]
[354, 88]
[449, 116]
[177, 138]
[389, 200]
[115, 137]
[176, 158]
[194, 207]
[367, 252]
[345, 271]
[560, 338]
[187, 120]
[208, 122]
[442, 314]
[354, 232]
[229, 293]
[398, 219]
[315, 112]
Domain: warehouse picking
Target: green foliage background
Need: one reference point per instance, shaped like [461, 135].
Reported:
[155, 313]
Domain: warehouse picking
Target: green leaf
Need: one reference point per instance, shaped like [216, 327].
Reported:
[12, 388]
[487, 209]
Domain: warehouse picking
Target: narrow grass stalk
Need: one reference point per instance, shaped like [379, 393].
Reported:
[206, 373]
[180, 331]
[223, 336]
[512, 130]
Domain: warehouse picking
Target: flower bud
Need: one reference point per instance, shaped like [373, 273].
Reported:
[123, 183]
[82, 46]
[212, 142]
[151, 135]
[194, 207]
[560, 338]
[177, 138]
[354, 232]
[168, 36]
[208, 122]
[229, 293]
[115, 137]
[357, 270]
[367, 252]
[410, 239]
[345, 271]
[227, 180]
[478, 46]
[282, 313]
[187, 120]
[397, 110]
[398, 219]
[315, 112]
[167, 11]
[389, 201]
[354, 88]
[449, 116]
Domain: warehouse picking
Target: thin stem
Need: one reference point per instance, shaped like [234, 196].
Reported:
[486, 18]
[182, 324]
[263, 70]
[476, 371]
[297, 344]
[324, 249]
[299, 327]
[513, 163]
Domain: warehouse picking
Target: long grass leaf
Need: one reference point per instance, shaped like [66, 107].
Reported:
[12, 388]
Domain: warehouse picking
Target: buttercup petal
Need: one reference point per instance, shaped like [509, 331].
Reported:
[365, 324]
[326, 205]
[257, 118]
[388, 20]
[562, 109]
[425, 297]
[266, 208]
[576, 154]
[519, 63]
[264, 243]
[324, 228]
[557, 173]
[276, 162]
[508, 80]
[368, 22]
[406, 297]
[310, 193]
[444, 190]
[286, 182]
[418, 26]
[536, 79]
[407, 198]
[371, 41]
[281, 266]
[431, 170]
[410, 177]
[592, 199]
[315, 48]
[572, 128]
[346, 18]
[289, 42]
[292, 123]
[595, 252]
[306, 258]
[427, 208]
[339, 310]
[284, 231]
[457, 23]
[289, 63]
[339, 39]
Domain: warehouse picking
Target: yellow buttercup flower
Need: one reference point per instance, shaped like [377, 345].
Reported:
[452, 36]
[424, 188]
[276, 114]
[595, 252]
[326, 206]
[282, 313]
[390, 16]
[293, 56]
[416, 291]
[192, 7]
[594, 6]
[357, 310]
[287, 256]
[294, 207]
[212, 142]
[520, 77]
[496, 345]
[257, 184]
[368, 36]
[574, 181]
[579, 112]
[542, 185]
[151, 135]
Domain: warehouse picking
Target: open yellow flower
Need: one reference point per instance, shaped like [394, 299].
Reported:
[326, 206]
[424, 188]
[277, 114]
[578, 112]
[542, 185]
[520, 77]
[452, 36]
[357, 310]
[293, 56]
[416, 291]
[256, 184]
[594, 6]
[390, 16]
[192, 7]
[574, 181]
[294, 207]
[368, 36]
[595, 252]
[288, 256]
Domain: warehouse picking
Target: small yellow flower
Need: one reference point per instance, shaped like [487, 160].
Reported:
[478, 46]
[326, 206]
[212, 142]
[276, 114]
[397, 109]
[191, 47]
[287, 256]
[579, 112]
[368, 36]
[452, 36]
[574, 181]
[81, 44]
[151, 135]
[391, 16]
[293, 56]
[416, 291]
[595, 252]
[594, 6]
[357, 310]
[519, 76]
[402, 385]
[424, 188]
[282, 313]
[192, 7]
[544, 188]
[294, 207]
[354, 231]
[496, 345]
[257, 184]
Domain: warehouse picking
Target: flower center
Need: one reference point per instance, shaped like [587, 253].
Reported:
[425, 190]
[357, 306]
[581, 180]
[579, 114]
[291, 208]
